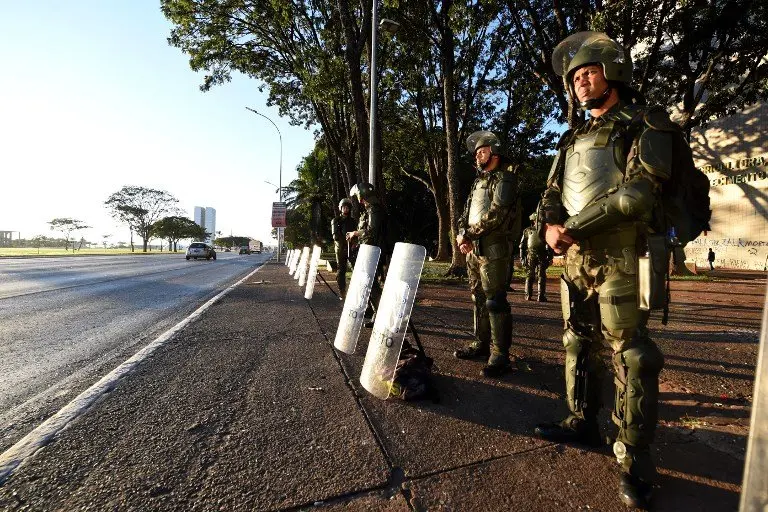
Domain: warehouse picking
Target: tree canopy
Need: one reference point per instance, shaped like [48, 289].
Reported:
[140, 208]
[66, 226]
[454, 67]
[175, 228]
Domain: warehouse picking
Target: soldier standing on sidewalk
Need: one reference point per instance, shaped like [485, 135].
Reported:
[598, 210]
[483, 237]
[371, 230]
[340, 226]
[536, 257]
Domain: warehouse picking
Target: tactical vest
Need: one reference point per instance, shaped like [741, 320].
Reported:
[534, 242]
[591, 169]
[481, 202]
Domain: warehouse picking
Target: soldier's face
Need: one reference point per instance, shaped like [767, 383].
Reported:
[482, 156]
[589, 82]
[345, 210]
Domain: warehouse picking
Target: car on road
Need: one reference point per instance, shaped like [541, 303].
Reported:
[200, 250]
[245, 250]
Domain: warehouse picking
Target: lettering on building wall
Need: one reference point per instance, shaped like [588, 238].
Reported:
[728, 242]
[734, 166]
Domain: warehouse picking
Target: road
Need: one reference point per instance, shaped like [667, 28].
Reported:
[65, 322]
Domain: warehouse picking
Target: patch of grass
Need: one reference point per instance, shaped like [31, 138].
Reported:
[692, 423]
[434, 271]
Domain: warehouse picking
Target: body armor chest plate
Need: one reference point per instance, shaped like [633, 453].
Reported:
[481, 202]
[535, 245]
[590, 171]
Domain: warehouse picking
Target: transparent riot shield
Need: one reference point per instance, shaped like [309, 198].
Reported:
[754, 489]
[392, 319]
[288, 259]
[351, 321]
[292, 265]
[295, 263]
[303, 264]
[312, 275]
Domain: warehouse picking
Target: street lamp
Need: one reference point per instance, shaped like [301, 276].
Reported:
[280, 178]
[390, 27]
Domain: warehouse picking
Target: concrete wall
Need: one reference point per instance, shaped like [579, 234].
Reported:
[733, 152]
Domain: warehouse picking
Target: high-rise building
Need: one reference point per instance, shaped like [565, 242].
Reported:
[205, 216]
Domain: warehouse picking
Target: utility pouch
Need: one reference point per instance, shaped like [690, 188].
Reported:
[651, 274]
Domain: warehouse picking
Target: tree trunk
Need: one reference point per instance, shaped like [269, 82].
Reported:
[447, 59]
[352, 55]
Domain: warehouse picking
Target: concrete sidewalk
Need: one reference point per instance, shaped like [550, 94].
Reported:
[250, 408]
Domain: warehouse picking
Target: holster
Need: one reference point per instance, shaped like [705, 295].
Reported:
[651, 274]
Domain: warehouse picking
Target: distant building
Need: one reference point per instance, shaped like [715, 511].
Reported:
[205, 216]
[6, 237]
[733, 152]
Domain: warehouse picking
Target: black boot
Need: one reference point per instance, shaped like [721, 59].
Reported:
[475, 350]
[634, 492]
[542, 298]
[571, 430]
[493, 371]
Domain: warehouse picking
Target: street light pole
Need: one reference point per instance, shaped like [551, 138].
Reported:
[374, 87]
[280, 178]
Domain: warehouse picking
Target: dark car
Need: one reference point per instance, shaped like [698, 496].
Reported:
[245, 250]
[200, 250]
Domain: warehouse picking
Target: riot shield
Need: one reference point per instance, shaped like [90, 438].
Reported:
[392, 318]
[303, 264]
[288, 259]
[295, 263]
[312, 275]
[351, 321]
[754, 489]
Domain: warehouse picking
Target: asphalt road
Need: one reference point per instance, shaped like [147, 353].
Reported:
[65, 322]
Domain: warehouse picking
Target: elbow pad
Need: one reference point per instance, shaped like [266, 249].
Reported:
[632, 201]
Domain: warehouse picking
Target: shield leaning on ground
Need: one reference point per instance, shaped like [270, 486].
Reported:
[351, 321]
[289, 259]
[392, 319]
[304, 266]
[754, 488]
[295, 262]
[301, 269]
[312, 275]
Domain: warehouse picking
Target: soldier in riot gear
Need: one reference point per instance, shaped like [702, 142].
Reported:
[371, 230]
[340, 226]
[536, 257]
[483, 236]
[600, 210]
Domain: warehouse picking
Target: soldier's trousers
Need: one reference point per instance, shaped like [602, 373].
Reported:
[600, 308]
[536, 269]
[341, 269]
[492, 314]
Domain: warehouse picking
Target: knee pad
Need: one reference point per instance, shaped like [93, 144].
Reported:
[498, 303]
[645, 359]
[572, 342]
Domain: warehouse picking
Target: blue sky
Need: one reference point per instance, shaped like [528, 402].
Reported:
[93, 98]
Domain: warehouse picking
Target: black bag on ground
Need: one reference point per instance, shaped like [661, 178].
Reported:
[413, 376]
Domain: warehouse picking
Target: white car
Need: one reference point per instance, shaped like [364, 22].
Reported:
[200, 250]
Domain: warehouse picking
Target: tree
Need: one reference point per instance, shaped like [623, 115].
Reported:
[65, 226]
[140, 208]
[232, 241]
[175, 228]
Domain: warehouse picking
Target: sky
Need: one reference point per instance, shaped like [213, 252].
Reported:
[92, 98]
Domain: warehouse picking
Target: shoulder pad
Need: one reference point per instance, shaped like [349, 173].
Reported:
[506, 191]
[656, 152]
[629, 113]
[658, 119]
[564, 138]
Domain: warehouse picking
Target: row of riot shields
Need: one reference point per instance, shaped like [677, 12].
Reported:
[393, 312]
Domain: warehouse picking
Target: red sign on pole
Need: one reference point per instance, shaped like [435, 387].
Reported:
[278, 215]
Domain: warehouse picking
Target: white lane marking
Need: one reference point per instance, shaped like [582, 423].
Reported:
[17, 454]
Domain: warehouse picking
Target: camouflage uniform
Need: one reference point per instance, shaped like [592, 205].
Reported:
[488, 217]
[340, 226]
[604, 189]
[535, 257]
